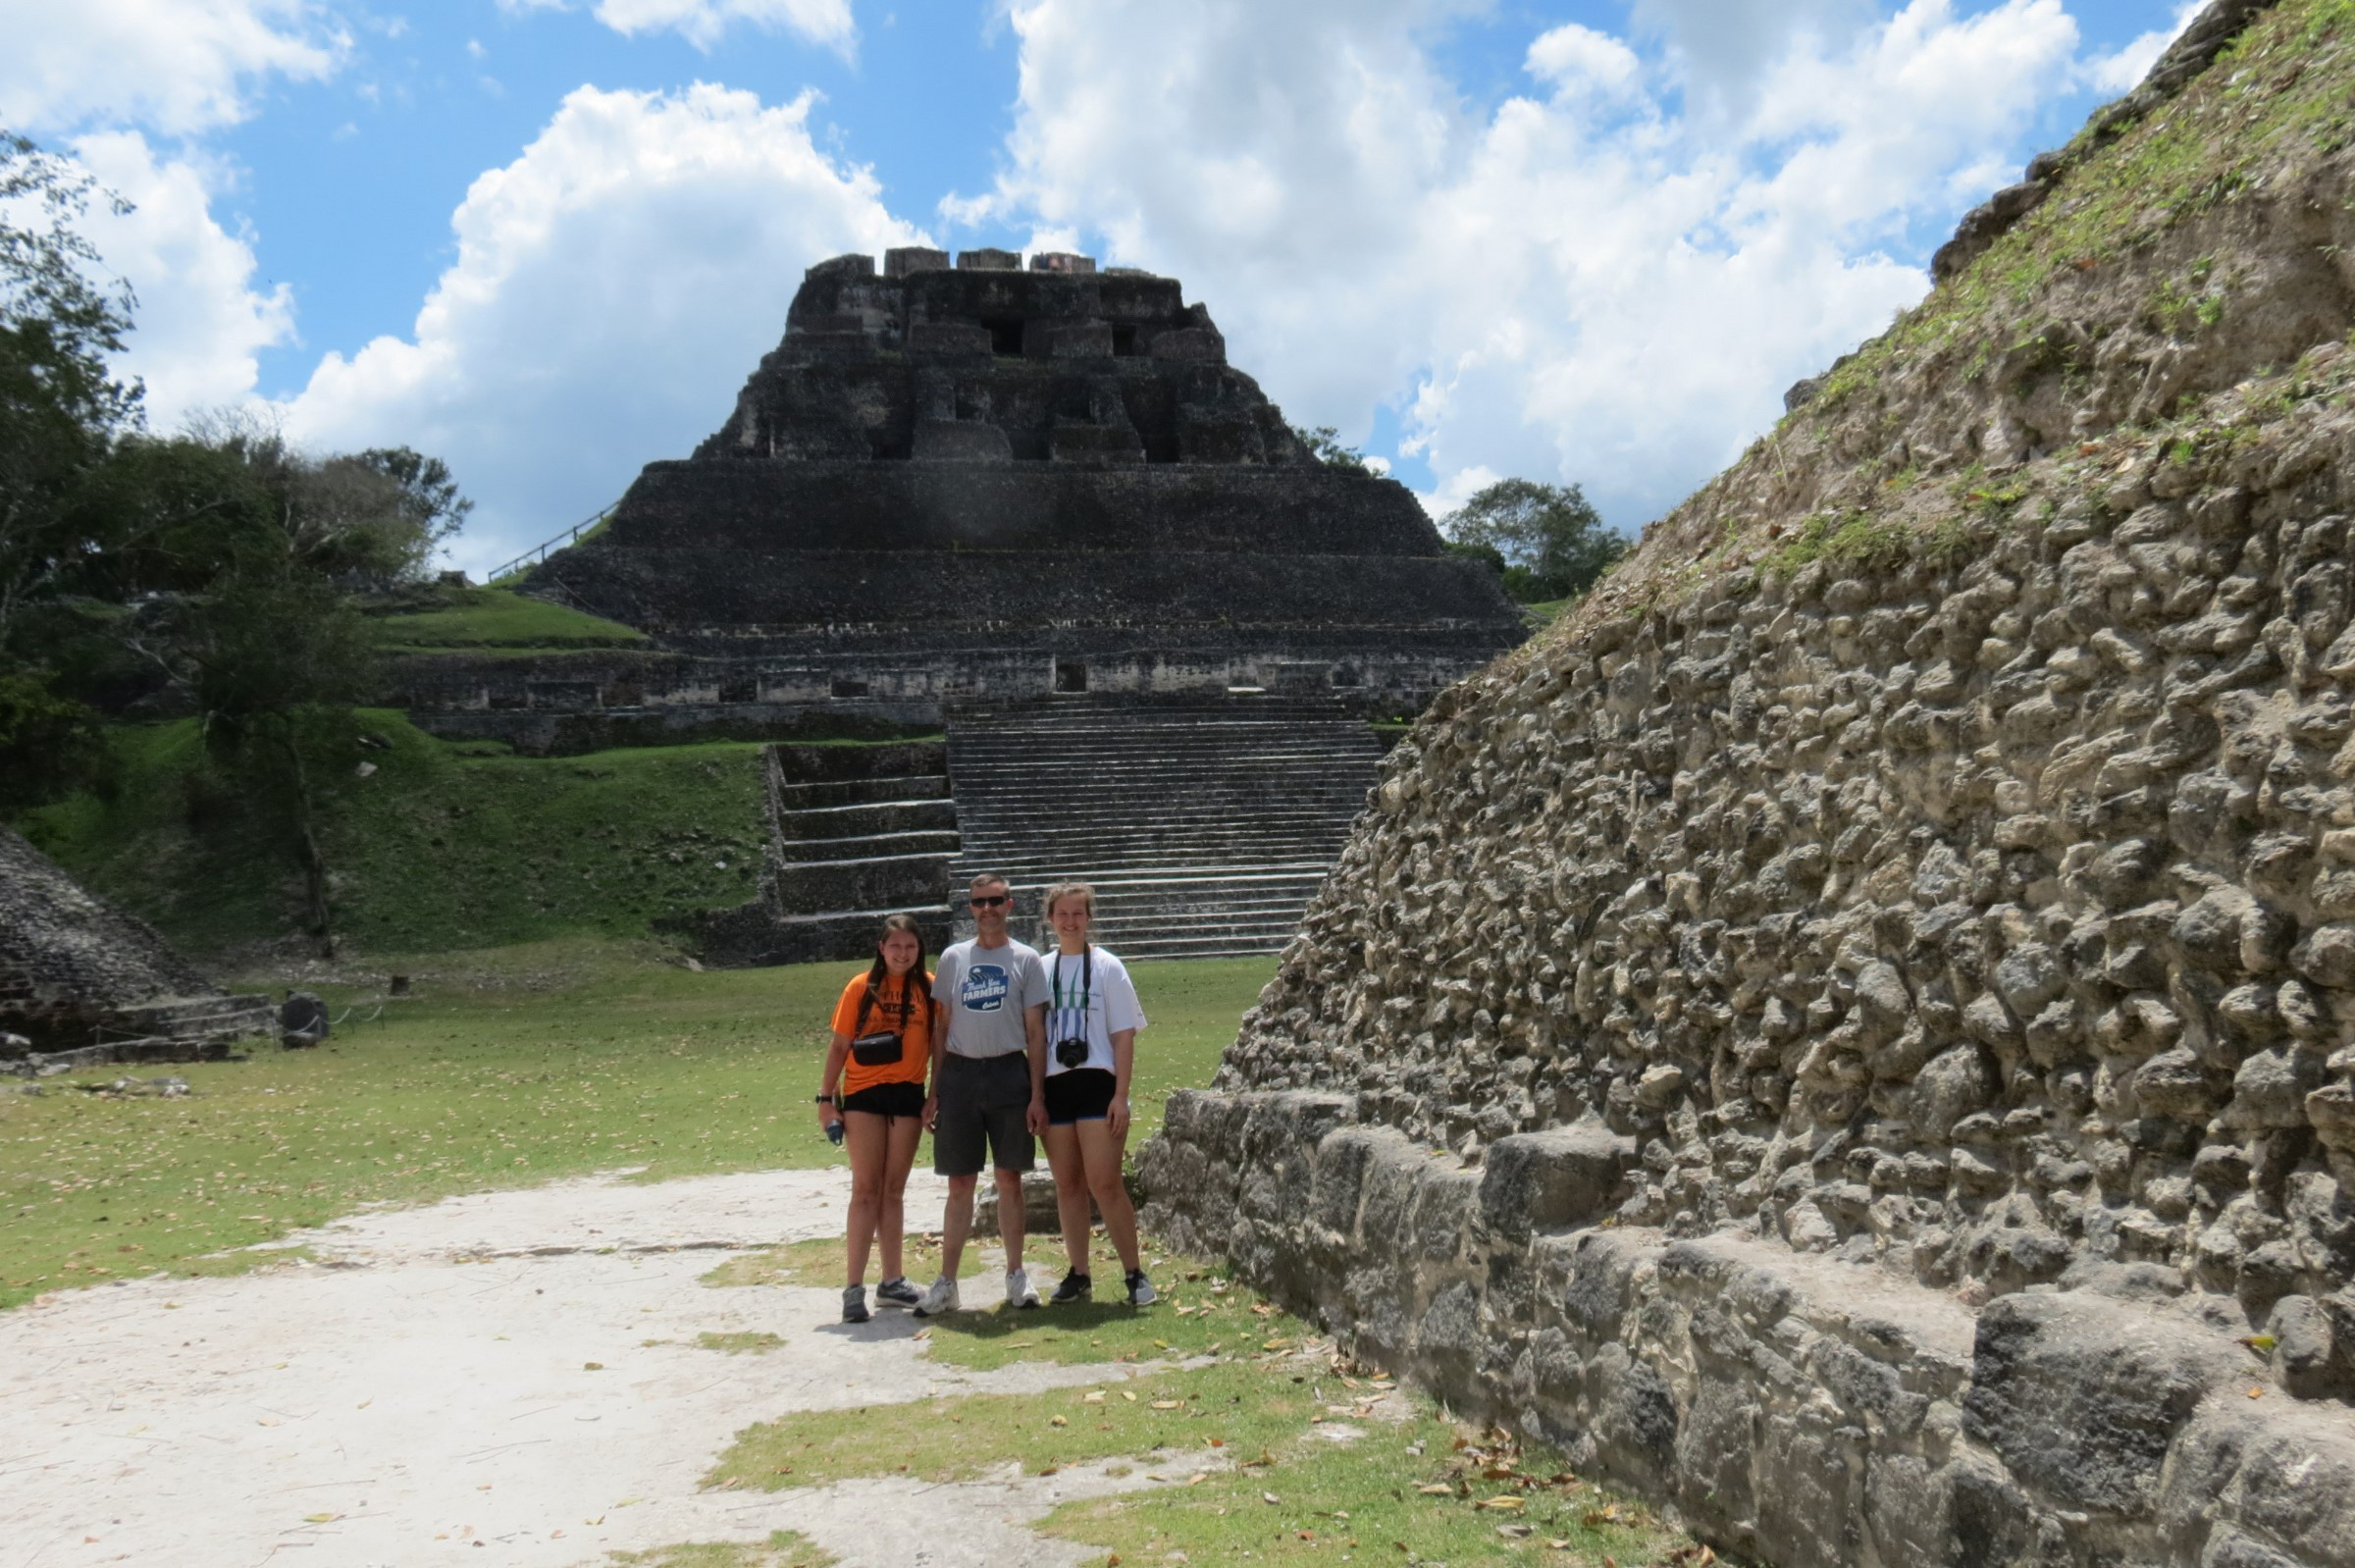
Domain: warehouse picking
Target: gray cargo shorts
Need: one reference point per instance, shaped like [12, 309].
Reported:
[983, 1104]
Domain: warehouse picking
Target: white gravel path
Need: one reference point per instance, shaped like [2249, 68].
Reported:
[425, 1396]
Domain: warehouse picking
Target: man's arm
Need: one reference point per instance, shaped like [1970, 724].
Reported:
[1034, 1025]
[940, 1051]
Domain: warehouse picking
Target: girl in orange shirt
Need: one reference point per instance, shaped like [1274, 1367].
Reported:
[882, 1052]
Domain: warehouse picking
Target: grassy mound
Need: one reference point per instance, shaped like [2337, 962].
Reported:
[436, 847]
[494, 620]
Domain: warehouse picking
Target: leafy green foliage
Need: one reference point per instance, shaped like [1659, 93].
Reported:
[52, 742]
[1323, 443]
[59, 404]
[1547, 540]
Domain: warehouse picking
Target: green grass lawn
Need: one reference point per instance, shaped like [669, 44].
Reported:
[431, 848]
[493, 619]
[1310, 1454]
[511, 1067]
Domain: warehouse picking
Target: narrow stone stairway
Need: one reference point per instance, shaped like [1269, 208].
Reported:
[1203, 824]
[856, 832]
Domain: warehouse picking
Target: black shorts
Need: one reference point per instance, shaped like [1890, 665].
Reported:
[887, 1100]
[1082, 1094]
[983, 1110]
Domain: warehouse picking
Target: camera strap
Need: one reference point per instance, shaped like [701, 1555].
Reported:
[1087, 987]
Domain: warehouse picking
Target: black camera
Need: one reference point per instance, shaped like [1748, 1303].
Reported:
[1072, 1052]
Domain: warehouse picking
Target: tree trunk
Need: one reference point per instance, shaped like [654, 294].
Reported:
[307, 850]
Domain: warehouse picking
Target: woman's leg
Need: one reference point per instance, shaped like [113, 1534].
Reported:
[1071, 1192]
[891, 1218]
[1100, 1155]
[868, 1140]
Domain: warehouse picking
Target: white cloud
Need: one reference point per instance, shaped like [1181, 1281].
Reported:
[174, 66]
[1616, 300]
[2124, 71]
[1575, 58]
[703, 23]
[200, 324]
[613, 288]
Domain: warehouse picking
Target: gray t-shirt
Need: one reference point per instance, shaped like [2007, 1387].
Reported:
[987, 990]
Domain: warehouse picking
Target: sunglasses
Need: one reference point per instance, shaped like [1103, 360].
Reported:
[990, 901]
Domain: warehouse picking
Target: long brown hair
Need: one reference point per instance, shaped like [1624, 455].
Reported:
[911, 987]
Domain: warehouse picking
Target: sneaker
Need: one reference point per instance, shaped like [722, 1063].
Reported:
[1074, 1287]
[942, 1297]
[1140, 1290]
[896, 1291]
[1018, 1289]
[853, 1303]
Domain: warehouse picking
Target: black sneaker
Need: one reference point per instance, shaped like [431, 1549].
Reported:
[1140, 1290]
[853, 1303]
[1074, 1287]
[897, 1293]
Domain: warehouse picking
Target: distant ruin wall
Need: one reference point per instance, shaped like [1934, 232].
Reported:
[72, 962]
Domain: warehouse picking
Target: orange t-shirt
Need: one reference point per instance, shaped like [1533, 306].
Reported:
[916, 1032]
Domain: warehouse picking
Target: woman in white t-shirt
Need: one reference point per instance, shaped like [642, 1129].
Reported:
[1092, 1020]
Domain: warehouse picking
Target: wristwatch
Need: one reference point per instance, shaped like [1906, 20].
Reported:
[824, 1099]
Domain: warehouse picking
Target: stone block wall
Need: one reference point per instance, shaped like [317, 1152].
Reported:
[1785, 1405]
[1983, 912]
[75, 969]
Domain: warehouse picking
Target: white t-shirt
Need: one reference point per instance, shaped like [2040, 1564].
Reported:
[1109, 999]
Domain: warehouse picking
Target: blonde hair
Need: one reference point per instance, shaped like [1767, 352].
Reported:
[1063, 890]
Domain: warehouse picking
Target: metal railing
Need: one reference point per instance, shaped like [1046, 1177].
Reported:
[539, 553]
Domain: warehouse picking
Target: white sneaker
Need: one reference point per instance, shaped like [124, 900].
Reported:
[1018, 1289]
[940, 1298]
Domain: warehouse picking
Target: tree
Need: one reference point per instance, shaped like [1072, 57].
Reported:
[277, 664]
[1547, 540]
[59, 405]
[1323, 443]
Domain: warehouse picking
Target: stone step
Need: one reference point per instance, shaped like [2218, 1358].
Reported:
[862, 792]
[1273, 831]
[1206, 751]
[863, 817]
[1205, 825]
[848, 935]
[865, 846]
[881, 882]
[198, 1018]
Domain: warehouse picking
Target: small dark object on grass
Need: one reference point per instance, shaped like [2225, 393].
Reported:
[398, 986]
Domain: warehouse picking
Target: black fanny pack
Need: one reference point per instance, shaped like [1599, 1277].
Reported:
[877, 1050]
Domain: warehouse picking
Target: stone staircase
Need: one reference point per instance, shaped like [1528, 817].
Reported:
[856, 832]
[205, 1018]
[1204, 823]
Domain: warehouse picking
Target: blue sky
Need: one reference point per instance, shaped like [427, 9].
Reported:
[547, 238]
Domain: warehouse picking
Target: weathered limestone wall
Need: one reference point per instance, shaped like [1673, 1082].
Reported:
[1977, 917]
[1784, 1404]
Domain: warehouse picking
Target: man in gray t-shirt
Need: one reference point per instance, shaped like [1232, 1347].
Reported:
[986, 994]
[988, 1100]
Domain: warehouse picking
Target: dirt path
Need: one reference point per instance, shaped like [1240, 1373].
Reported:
[427, 1394]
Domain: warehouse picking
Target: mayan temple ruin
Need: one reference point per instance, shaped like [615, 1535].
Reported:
[1036, 508]
[1863, 1054]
